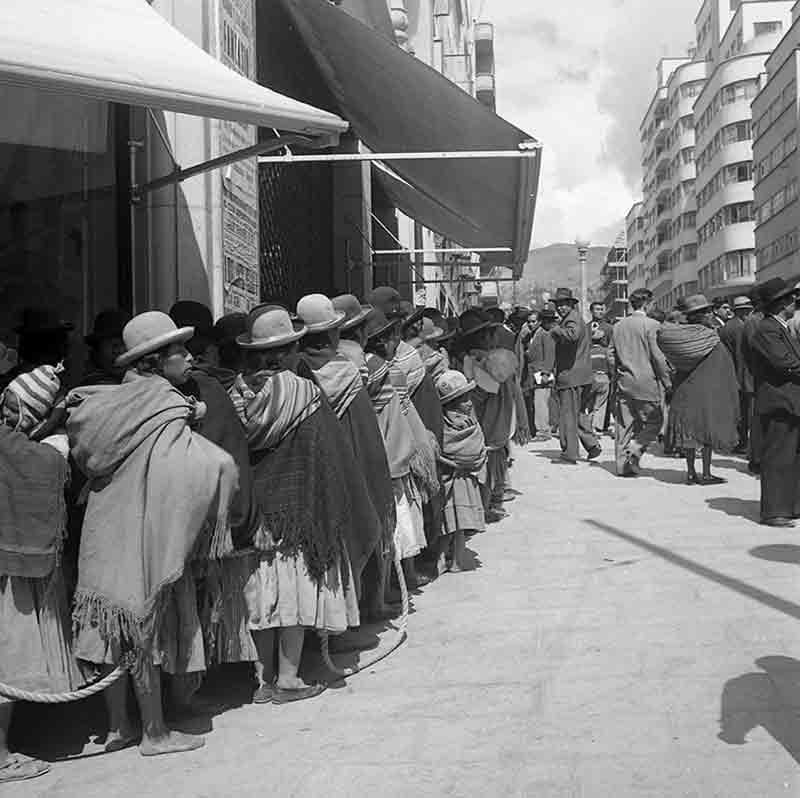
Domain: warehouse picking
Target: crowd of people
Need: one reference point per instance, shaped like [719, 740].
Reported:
[207, 493]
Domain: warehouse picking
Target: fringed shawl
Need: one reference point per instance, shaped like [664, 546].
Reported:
[157, 492]
[32, 507]
[686, 345]
[338, 378]
[406, 371]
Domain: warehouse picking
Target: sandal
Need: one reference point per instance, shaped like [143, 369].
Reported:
[19, 767]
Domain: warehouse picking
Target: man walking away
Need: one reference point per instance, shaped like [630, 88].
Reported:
[732, 335]
[601, 384]
[638, 366]
[541, 357]
[573, 379]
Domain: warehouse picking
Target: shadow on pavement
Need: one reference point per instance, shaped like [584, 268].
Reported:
[739, 508]
[778, 552]
[769, 699]
[669, 476]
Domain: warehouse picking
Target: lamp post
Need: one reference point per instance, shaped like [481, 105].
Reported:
[582, 245]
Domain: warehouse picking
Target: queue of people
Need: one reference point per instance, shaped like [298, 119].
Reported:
[207, 493]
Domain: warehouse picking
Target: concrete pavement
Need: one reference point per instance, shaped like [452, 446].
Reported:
[611, 631]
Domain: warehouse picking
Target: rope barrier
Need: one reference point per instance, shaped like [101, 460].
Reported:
[7, 691]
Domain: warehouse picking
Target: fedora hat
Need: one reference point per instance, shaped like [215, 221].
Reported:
[354, 312]
[269, 326]
[452, 384]
[377, 323]
[108, 324]
[386, 299]
[741, 302]
[474, 321]
[774, 289]
[564, 295]
[695, 303]
[318, 314]
[430, 330]
[42, 320]
[147, 333]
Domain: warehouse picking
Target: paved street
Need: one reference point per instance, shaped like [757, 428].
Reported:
[608, 628]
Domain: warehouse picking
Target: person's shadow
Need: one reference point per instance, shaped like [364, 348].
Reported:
[770, 700]
[778, 552]
[739, 508]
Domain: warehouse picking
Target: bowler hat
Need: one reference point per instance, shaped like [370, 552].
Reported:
[741, 302]
[377, 323]
[319, 315]
[42, 320]
[386, 299]
[774, 289]
[564, 295]
[473, 321]
[354, 312]
[695, 303]
[188, 313]
[268, 327]
[147, 333]
[452, 384]
[230, 326]
[108, 324]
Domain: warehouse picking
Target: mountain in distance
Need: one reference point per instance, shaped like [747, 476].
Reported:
[555, 266]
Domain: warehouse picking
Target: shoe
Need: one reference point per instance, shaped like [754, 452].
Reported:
[282, 696]
[783, 523]
[508, 496]
[711, 480]
[493, 516]
[594, 452]
[264, 694]
[692, 479]
[564, 459]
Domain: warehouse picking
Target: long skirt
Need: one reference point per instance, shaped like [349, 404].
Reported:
[282, 593]
[34, 635]
[409, 533]
[463, 509]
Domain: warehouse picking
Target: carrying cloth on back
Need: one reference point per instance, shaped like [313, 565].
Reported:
[339, 379]
[32, 506]
[686, 345]
[299, 457]
[158, 492]
[494, 397]
[464, 445]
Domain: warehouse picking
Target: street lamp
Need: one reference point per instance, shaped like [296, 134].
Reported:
[582, 245]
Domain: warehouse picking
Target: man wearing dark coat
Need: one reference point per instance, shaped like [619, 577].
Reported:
[732, 335]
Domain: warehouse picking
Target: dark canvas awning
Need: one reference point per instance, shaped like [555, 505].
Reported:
[396, 103]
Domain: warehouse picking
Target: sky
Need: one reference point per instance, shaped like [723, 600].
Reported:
[579, 75]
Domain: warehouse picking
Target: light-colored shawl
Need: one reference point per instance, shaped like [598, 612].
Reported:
[338, 377]
[406, 371]
[355, 354]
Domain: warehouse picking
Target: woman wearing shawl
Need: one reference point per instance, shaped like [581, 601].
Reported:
[159, 498]
[297, 447]
[463, 466]
[34, 616]
[403, 445]
[703, 411]
[373, 499]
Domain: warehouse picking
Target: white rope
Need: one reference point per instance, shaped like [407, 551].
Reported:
[7, 691]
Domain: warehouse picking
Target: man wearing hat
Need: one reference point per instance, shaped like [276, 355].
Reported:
[541, 357]
[105, 346]
[641, 372]
[573, 379]
[352, 333]
[776, 368]
[732, 335]
[387, 300]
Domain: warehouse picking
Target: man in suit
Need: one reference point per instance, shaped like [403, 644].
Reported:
[639, 368]
[776, 367]
[722, 313]
[573, 379]
[750, 327]
[732, 335]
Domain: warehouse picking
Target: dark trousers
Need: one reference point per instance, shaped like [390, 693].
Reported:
[756, 434]
[638, 424]
[745, 400]
[574, 420]
[780, 466]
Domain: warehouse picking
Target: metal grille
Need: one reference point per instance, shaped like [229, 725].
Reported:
[296, 231]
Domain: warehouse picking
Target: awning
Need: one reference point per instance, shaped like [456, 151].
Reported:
[124, 51]
[396, 103]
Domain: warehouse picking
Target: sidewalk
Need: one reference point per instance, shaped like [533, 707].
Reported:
[609, 625]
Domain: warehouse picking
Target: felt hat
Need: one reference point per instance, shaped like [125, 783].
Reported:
[430, 330]
[270, 326]
[741, 302]
[774, 289]
[377, 323]
[42, 320]
[644, 294]
[108, 324]
[386, 299]
[564, 295]
[354, 312]
[188, 313]
[230, 326]
[452, 385]
[547, 314]
[318, 314]
[695, 303]
[147, 333]
[473, 321]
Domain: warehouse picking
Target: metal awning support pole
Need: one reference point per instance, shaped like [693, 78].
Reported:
[344, 157]
[457, 250]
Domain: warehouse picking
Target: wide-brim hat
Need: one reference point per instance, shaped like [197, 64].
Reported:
[475, 321]
[452, 385]
[377, 323]
[386, 299]
[230, 326]
[774, 289]
[147, 333]
[108, 324]
[318, 314]
[564, 295]
[268, 327]
[430, 330]
[695, 303]
[742, 303]
[354, 312]
[42, 320]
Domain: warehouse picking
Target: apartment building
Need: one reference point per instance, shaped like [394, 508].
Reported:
[776, 169]
[634, 236]
[614, 288]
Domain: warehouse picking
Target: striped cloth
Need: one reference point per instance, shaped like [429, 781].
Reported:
[29, 398]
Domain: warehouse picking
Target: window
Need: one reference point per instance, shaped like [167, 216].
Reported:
[766, 28]
[690, 252]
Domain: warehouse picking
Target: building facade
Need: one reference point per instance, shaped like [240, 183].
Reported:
[614, 288]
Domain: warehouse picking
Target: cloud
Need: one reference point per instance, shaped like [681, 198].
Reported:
[579, 76]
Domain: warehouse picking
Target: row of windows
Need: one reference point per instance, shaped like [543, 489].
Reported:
[776, 108]
[777, 202]
[731, 173]
[686, 221]
[779, 248]
[736, 213]
[685, 92]
[740, 91]
[740, 263]
[235, 50]
[730, 134]
[684, 125]
[783, 150]
[684, 254]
